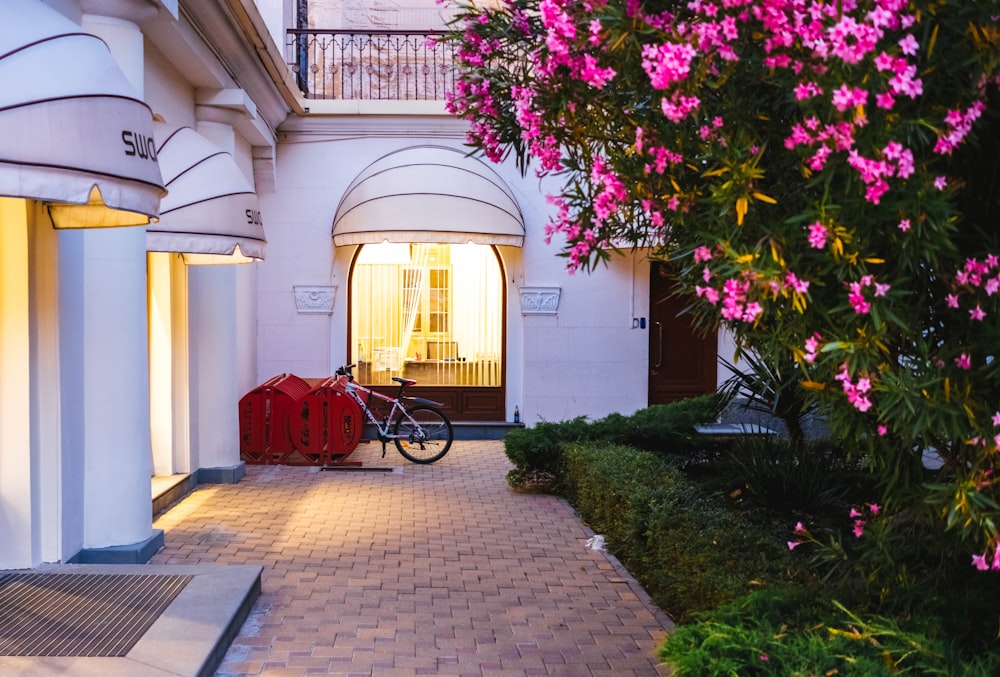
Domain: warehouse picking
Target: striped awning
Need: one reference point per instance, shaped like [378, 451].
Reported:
[428, 194]
[73, 133]
[211, 213]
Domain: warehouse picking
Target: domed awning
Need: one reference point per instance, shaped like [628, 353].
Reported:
[74, 133]
[428, 194]
[211, 213]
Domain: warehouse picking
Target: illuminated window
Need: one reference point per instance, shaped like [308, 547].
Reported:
[430, 312]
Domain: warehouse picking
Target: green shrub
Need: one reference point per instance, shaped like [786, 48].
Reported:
[689, 550]
[786, 631]
[812, 477]
[537, 452]
[668, 428]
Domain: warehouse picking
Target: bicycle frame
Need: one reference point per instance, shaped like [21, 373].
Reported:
[397, 406]
[383, 428]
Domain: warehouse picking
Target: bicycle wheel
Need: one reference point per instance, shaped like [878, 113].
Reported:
[423, 434]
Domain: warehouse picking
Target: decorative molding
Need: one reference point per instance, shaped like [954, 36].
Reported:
[315, 299]
[540, 300]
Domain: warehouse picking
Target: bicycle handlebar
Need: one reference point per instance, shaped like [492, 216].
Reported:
[345, 370]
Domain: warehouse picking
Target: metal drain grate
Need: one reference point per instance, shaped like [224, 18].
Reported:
[80, 614]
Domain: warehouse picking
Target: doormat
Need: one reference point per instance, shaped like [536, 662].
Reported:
[80, 614]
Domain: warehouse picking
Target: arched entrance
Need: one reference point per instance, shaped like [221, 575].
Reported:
[433, 313]
[427, 285]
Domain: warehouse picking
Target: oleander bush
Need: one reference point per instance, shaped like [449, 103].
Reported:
[792, 631]
[789, 631]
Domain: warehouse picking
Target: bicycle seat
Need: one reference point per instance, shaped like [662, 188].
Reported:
[403, 381]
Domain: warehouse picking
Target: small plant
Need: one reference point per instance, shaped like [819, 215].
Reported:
[811, 477]
[769, 387]
[784, 631]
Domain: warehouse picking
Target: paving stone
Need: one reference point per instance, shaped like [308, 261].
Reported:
[427, 570]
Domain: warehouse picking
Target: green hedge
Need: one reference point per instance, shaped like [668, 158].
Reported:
[537, 452]
[690, 551]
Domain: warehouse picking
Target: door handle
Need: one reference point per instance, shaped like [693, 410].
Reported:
[659, 356]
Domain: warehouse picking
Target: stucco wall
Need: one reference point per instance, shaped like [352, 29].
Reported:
[585, 360]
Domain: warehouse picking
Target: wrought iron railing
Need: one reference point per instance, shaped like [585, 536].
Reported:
[380, 65]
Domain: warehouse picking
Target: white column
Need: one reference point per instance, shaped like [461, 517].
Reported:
[223, 332]
[105, 380]
[215, 365]
[17, 523]
[104, 358]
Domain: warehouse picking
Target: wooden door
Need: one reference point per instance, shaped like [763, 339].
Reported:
[682, 363]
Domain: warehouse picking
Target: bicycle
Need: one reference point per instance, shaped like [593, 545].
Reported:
[420, 430]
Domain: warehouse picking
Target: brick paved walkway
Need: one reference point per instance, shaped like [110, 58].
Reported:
[426, 570]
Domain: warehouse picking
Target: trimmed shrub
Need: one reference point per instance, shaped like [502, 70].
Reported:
[690, 551]
[537, 452]
[670, 428]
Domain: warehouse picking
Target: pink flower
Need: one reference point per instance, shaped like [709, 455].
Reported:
[800, 286]
[859, 528]
[940, 182]
[882, 430]
[702, 254]
[799, 528]
[996, 418]
[752, 312]
[977, 313]
[963, 361]
[812, 346]
[874, 508]
[711, 295]
[979, 561]
[845, 97]
[857, 299]
[667, 63]
[793, 544]
[817, 235]
[951, 300]
[856, 392]
[904, 225]
[909, 45]
[885, 100]
[806, 90]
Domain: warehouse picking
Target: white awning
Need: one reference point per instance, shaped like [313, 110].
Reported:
[428, 194]
[211, 211]
[72, 131]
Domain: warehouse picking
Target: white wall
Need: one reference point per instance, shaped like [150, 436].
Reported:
[587, 360]
[167, 92]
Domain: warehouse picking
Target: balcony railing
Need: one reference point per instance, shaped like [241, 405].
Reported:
[372, 65]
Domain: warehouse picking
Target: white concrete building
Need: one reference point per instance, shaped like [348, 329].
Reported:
[366, 233]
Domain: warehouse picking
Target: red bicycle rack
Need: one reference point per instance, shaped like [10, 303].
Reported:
[263, 419]
[329, 424]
